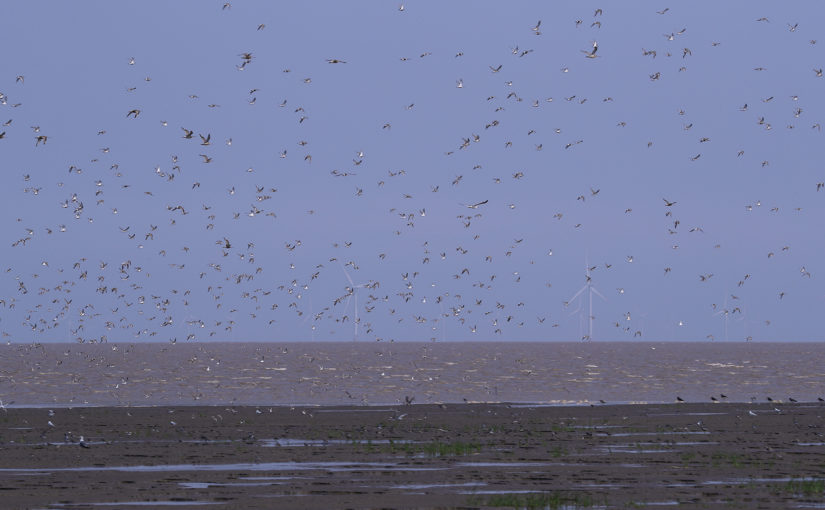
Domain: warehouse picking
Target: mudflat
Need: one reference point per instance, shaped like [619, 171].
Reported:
[745, 455]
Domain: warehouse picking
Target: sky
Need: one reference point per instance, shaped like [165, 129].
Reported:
[249, 171]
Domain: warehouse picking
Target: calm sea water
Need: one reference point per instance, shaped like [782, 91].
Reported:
[369, 374]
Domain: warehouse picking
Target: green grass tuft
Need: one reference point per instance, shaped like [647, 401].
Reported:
[808, 487]
[551, 500]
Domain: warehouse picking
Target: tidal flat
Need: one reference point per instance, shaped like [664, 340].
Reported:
[725, 455]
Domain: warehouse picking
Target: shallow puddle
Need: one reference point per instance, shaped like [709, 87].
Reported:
[136, 503]
[688, 414]
[274, 478]
[288, 442]
[629, 448]
[264, 466]
[420, 486]
[666, 433]
[509, 464]
[206, 485]
[358, 410]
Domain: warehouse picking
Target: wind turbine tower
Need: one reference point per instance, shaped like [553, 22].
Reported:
[726, 314]
[590, 289]
[352, 290]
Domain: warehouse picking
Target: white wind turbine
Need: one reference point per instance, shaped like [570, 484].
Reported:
[744, 319]
[311, 316]
[588, 286]
[352, 292]
[442, 318]
[191, 323]
[726, 313]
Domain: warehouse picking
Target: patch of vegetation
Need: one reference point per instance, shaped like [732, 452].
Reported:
[558, 451]
[651, 446]
[438, 449]
[551, 500]
[806, 487]
[368, 446]
[733, 459]
[433, 449]
[562, 427]
[335, 434]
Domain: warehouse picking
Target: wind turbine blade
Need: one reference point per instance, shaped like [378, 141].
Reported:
[344, 269]
[597, 292]
[577, 294]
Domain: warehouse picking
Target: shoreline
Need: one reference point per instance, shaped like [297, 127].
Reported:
[270, 343]
[370, 405]
[414, 456]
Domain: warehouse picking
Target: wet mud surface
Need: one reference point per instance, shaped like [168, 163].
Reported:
[415, 456]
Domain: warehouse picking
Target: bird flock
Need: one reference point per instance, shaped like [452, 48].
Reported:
[414, 172]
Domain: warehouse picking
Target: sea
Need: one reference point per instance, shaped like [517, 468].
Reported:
[358, 373]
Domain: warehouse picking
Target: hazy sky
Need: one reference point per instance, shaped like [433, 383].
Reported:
[681, 161]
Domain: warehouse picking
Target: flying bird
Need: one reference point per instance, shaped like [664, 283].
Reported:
[592, 53]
